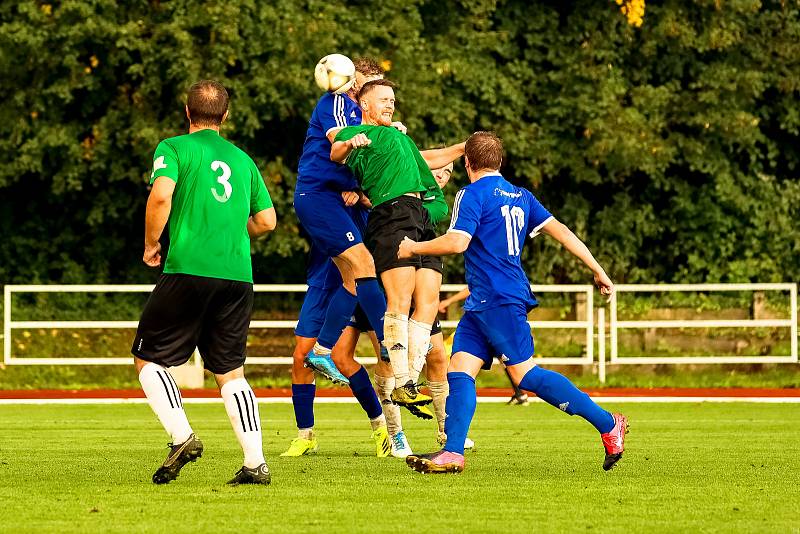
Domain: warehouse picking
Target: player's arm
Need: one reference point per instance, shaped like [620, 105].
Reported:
[444, 245]
[437, 158]
[159, 204]
[262, 217]
[341, 149]
[578, 248]
[262, 222]
[433, 201]
[458, 297]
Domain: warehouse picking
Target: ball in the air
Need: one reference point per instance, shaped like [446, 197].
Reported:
[335, 73]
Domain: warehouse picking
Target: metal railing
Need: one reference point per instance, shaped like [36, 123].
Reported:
[9, 324]
[615, 325]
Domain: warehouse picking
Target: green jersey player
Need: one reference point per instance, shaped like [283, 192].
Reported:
[213, 199]
[396, 177]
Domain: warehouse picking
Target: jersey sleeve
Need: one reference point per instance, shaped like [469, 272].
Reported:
[538, 217]
[165, 162]
[259, 196]
[466, 213]
[433, 201]
[331, 113]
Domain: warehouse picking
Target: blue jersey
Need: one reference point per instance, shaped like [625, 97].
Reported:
[316, 171]
[497, 216]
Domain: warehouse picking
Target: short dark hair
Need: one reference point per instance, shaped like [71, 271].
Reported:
[207, 101]
[368, 67]
[484, 150]
[370, 85]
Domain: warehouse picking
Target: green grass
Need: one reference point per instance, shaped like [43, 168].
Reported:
[689, 468]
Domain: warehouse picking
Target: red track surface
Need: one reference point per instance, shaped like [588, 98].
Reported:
[344, 392]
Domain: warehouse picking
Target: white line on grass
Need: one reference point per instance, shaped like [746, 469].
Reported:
[351, 400]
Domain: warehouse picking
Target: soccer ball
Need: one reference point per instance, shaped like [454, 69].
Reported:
[335, 73]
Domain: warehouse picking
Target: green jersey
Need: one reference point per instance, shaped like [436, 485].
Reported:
[217, 188]
[392, 166]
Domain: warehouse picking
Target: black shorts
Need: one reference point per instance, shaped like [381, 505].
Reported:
[186, 311]
[389, 223]
[360, 322]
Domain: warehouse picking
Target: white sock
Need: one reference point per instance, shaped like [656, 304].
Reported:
[384, 385]
[320, 350]
[305, 433]
[439, 392]
[419, 335]
[165, 399]
[378, 422]
[395, 339]
[242, 408]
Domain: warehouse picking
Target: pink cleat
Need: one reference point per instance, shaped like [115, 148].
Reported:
[614, 441]
[437, 462]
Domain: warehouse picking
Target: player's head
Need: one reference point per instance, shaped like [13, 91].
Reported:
[483, 153]
[376, 99]
[442, 174]
[367, 69]
[207, 104]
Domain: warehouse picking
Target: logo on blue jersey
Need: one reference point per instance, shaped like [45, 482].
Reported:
[500, 193]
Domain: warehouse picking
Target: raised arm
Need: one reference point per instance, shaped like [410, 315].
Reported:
[341, 149]
[439, 157]
[578, 248]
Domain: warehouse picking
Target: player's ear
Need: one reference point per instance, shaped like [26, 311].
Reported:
[224, 117]
[187, 113]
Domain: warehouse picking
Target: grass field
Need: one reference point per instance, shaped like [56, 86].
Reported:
[689, 468]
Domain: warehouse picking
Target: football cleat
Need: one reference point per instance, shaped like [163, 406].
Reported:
[246, 475]
[179, 455]
[521, 400]
[441, 438]
[409, 394]
[423, 412]
[400, 446]
[301, 446]
[614, 441]
[382, 446]
[323, 364]
[437, 462]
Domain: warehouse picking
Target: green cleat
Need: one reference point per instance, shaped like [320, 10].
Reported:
[300, 447]
[179, 455]
[246, 475]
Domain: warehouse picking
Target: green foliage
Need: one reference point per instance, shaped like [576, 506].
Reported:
[671, 148]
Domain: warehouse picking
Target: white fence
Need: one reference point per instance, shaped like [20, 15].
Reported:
[615, 325]
[10, 324]
[587, 324]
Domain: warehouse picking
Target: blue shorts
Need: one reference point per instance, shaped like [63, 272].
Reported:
[312, 312]
[501, 332]
[329, 223]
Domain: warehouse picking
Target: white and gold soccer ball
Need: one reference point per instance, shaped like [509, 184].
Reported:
[335, 73]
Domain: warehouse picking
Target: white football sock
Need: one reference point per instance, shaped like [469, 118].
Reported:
[439, 392]
[242, 408]
[419, 336]
[305, 433]
[378, 422]
[384, 385]
[395, 339]
[165, 399]
[319, 350]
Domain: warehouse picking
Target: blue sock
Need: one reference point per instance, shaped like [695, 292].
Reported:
[365, 393]
[340, 310]
[303, 401]
[460, 409]
[373, 302]
[556, 389]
